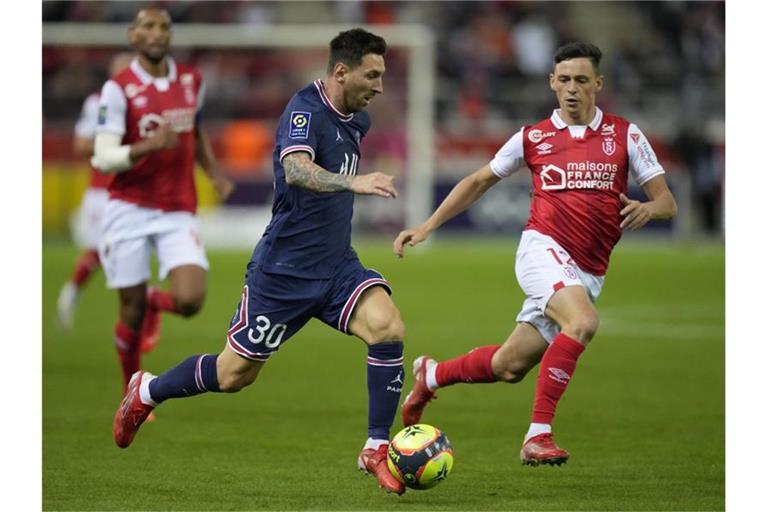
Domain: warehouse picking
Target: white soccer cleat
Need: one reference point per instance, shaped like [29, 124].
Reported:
[66, 304]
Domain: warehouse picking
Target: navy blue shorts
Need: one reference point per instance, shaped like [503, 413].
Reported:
[274, 307]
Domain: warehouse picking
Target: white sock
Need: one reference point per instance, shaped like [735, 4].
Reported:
[144, 395]
[536, 429]
[374, 443]
[432, 375]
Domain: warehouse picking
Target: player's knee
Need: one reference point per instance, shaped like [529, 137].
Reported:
[584, 327]
[189, 305]
[188, 308]
[386, 326]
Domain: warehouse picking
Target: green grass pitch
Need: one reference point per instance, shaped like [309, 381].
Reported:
[644, 418]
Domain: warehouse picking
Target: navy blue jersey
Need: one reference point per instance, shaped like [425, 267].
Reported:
[309, 234]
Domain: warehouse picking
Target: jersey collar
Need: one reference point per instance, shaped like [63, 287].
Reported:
[146, 78]
[323, 96]
[560, 124]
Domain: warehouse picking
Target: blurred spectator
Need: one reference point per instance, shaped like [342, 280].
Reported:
[701, 159]
[664, 60]
[535, 42]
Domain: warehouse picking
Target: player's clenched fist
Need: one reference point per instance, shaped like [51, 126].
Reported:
[375, 183]
[164, 137]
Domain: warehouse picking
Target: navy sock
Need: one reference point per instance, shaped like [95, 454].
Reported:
[193, 376]
[385, 383]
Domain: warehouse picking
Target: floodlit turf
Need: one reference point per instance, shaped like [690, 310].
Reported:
[644, 418]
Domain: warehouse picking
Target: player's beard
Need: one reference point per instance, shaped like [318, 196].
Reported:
[155, 56]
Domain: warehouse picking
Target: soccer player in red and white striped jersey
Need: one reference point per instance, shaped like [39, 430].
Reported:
[580, 160]
[149, 137]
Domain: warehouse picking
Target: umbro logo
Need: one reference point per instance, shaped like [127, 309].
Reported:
[559, 375]
[544, 148]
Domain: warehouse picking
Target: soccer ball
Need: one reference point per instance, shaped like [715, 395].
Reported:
[420, 456]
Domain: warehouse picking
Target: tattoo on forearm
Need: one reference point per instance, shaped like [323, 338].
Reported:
[304, 173]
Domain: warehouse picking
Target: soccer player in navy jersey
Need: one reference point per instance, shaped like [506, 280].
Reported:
[580, 160]
[304, 266]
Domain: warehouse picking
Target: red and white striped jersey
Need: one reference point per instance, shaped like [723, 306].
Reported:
[578, 173]
[133, 104]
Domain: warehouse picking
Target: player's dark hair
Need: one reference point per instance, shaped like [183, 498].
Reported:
[350, 46]
[574, 50]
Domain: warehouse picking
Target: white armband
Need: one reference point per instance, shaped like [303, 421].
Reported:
[109, 155]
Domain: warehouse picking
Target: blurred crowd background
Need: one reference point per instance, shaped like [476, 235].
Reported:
[664, 64]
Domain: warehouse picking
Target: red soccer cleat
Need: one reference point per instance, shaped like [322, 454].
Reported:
[150, 328]
[420, 395]
[541, 449]
[375, 462]
[131, 413]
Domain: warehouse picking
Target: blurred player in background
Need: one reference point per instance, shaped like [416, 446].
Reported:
[580, 159]
[304, 266]
[88, 220]
[149, 137]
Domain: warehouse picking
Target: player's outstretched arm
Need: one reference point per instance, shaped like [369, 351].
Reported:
[662, 205]
[301, 171]
[461, 197]
[207, 160]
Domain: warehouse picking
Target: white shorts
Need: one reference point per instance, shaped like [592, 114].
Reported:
[130, 233]
[86, 222]
[542, 267]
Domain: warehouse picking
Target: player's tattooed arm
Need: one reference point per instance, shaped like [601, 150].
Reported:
[301, 171]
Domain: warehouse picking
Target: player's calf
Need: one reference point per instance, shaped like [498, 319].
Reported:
[235, 372]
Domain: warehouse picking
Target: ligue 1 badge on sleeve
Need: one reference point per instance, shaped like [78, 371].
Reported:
[300, 124]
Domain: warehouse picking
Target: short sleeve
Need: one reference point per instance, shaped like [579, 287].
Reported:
[299, 130]
[112, 108]
[510, 158]
[643, 164]
[85, 128]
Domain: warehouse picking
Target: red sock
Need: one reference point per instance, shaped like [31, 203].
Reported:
[555, 373]
[160, 300]
[473, 367]
[85, 267]
[127, 343]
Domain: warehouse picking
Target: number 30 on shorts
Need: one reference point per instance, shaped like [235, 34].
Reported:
[270, 334]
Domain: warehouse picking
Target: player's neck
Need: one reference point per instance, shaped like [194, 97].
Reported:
[335, 93]
[156, 69]
[578, 118]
